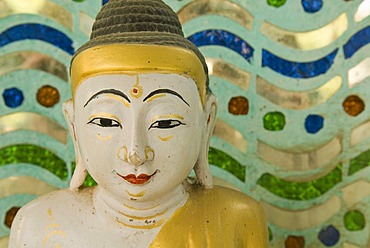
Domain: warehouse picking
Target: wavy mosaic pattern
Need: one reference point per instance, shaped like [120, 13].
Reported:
[293, 84]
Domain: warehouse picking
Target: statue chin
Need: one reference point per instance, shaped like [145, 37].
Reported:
[140, 122]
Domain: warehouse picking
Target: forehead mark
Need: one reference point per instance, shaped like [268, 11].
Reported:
[104, 138]
[165, 138]
[137, 90]
[167, 116]
[165, 91]
[109, 92]
[155, 97]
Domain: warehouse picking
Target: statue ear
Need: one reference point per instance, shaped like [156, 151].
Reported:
[201, 168]
[80, 173]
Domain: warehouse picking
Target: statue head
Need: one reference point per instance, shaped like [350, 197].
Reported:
[141, 113]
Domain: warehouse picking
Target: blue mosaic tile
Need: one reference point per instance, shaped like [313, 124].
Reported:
[297, 69]
[37, 32]
[329, 236]
[358, 40]
[312, 6]
[314, 123]
[104, 2]
[13, 97]
[225, 39]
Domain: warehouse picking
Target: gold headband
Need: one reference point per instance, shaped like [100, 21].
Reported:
[133, 59]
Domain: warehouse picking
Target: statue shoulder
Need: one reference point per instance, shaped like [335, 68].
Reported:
[36, 219]
[243, 216]
[223, 197]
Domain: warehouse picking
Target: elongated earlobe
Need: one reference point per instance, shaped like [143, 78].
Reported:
[80, 173]
[201, 168]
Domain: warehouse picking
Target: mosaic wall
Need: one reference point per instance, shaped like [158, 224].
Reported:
[293, 129]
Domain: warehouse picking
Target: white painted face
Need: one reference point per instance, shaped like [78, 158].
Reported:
[139, 136]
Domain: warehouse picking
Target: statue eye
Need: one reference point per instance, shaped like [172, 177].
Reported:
[105, 122]
[166, 124]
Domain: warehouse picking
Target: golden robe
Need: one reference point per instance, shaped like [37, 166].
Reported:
[216, 218]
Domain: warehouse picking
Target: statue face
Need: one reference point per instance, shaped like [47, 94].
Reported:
[139, 136]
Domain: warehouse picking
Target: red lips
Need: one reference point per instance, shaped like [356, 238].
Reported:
[141, 179]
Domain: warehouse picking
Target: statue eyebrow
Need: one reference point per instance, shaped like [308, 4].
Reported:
[109, 91]
[168, 91]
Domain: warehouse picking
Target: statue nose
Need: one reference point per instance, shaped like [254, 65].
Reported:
[135, 159]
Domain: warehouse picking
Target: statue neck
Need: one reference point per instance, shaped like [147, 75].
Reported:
[139, 214]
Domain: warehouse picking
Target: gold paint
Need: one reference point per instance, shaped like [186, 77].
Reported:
[156, 96]
[142, 218]
[311, 40]
[53, 225]
[298, 100]
[363, 11]
[149, 150]
[165, 138]
[23, 185]
[118, 98]
[300, 161]
[49, 212]
[33, 122]
[216, 7]
[130, 207]
[104, 138]
[57, 245]
[159, 117]
[125, 157]
[295, 220]
[228, 71]
[225, 132]
[156, 224]
[32, 60]
[37, 7]
[138, 88]
[206, 212]
[105, 115]
[140, 194]
[132, 59]
[49, 235]
[359, 72]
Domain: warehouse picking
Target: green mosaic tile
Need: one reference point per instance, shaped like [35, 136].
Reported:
[34, 155]
[226, 162]
[354, 220]
[274, 121]
[360, 162]
[276, 3]
[270, 234]
[301, 190]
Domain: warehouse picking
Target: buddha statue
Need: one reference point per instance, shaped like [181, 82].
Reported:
[141, 117]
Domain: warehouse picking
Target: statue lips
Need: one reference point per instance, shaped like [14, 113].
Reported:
[141, 179]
